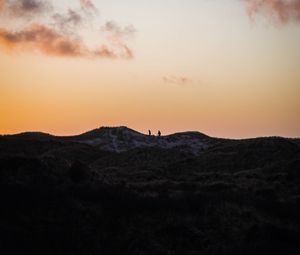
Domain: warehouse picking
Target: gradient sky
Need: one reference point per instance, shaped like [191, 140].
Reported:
[226, 68]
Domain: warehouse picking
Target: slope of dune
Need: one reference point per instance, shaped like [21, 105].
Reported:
[117, 191]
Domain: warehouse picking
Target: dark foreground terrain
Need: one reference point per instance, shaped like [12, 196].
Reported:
[116, 191]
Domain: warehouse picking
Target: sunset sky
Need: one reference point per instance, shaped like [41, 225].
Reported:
[227, 68]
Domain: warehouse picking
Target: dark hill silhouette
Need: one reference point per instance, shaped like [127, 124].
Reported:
[119, 139]
[117, 191]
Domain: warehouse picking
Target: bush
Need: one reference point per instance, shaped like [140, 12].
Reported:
[78, 172]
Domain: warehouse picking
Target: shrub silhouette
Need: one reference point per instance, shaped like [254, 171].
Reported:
[78, 172]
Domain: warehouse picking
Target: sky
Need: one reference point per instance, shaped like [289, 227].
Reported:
[225, 68]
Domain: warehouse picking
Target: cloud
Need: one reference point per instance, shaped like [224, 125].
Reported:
[88, 5]
[2, 5]
[69, 20]
[40, 38]
[113, 51]
[48, 41]
[117, 36]
[62, 37]
[23, 8]
[282, 11]
[179, 80]
[104, 52]
[114, 29]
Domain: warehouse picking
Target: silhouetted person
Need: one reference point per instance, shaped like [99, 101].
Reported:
[149, 132]
[159, 133]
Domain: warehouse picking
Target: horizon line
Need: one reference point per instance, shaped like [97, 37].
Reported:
[145, 133]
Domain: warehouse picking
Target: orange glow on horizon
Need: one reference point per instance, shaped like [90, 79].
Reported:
[199, 66]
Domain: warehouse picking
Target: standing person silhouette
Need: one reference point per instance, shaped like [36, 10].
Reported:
[149, 132]
[159, 133]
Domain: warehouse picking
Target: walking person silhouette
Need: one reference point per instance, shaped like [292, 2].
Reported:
[159, 133]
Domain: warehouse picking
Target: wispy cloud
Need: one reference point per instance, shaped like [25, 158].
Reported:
[88, 5]
[179, 80]
[61, 38]
[40, 38]
[282, 11]
[48, 41]
[67, 20]
[117, 37]
[2, 5]
[115, 30]
[24, 8]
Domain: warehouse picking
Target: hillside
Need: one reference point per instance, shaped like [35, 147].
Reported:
[117, 191]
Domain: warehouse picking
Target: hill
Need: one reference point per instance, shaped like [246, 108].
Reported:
[117, 191]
